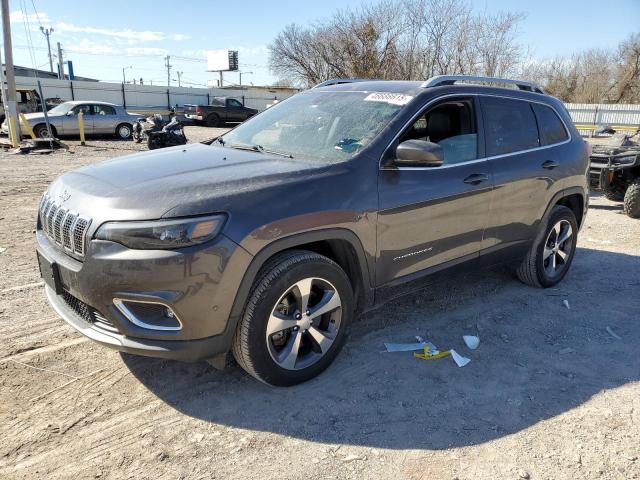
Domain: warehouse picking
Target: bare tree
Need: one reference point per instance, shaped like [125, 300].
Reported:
[398, 39]
[417, 39]
[627, 84]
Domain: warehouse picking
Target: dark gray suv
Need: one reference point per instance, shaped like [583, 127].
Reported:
[270, 239]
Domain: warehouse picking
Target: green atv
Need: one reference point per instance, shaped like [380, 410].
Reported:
[615, 170]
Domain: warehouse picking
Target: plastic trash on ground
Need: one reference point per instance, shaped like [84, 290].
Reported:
[471, 341]
[459, 359]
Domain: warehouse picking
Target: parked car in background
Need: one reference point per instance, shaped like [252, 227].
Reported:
[100, 118]
[222, 110]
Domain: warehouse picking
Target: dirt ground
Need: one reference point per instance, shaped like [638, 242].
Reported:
[549, 394]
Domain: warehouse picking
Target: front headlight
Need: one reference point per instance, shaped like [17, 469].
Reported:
[627, 160]
[162, 234]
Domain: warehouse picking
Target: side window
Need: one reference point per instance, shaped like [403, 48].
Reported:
[85, 109]
[233, 103]
[510, 125]
[551, 128]
[103, 110]
[452, 125]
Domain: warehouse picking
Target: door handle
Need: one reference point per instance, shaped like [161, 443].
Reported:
[550, 165]
[476, 178]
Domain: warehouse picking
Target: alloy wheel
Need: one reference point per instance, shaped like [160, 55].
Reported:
[304, 323]
[557, 248]
[124, 131]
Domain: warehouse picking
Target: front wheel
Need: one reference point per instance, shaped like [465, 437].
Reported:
[296, 319]
[41, 131]
[551, 254]
[614, 192]
[632, 199]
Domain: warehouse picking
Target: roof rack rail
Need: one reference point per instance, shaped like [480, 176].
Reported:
[451, 79]
[338, 81]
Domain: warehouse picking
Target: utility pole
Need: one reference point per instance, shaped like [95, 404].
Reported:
[47, 32]
[12, 111]
[124, 80]
[179, 78]
[60, 63]
[168, 65]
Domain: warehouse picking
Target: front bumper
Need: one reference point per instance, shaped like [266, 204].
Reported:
[198, 283]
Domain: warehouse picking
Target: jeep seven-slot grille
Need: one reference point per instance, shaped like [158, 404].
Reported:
[87, 313]
[64, 227]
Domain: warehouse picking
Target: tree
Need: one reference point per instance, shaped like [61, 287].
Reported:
[398, 39]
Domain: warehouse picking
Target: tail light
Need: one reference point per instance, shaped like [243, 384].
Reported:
[199, 111]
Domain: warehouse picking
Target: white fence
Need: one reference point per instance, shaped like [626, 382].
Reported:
[588, 116]
[147, 98]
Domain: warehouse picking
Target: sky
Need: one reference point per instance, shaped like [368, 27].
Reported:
[102, 38]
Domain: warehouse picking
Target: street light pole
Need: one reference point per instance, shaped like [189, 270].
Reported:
[179, 78]
[124, 80]
[47, 32]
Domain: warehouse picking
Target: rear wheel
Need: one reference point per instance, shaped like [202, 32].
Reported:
[212, 120]
[551, 254]
[123, 131]
[296, 319]
[632, 199]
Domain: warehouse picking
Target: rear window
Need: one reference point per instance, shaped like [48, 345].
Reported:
[551, 127]
[510, 126]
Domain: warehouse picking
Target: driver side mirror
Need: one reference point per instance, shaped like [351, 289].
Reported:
[70, 113]
[419, 153]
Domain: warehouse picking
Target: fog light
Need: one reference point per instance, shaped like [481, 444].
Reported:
[149, 314]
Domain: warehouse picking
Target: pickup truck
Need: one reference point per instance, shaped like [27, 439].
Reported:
[222, 110]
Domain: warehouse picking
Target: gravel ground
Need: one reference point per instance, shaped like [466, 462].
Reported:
[549, 394]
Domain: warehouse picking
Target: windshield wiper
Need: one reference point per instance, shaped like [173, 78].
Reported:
[274, 152]
[259, 148]
[242, 146]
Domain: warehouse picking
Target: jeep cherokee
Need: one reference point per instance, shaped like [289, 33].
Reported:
[270, 239]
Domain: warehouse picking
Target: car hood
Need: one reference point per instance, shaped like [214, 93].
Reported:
[40, 115]
[178, 181]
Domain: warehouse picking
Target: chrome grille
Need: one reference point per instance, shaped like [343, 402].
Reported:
[64, 227]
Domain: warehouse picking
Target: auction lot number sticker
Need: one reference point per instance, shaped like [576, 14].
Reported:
[386, 97]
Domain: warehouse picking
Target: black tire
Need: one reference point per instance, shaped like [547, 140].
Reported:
[534, 269]
[40, 131]
[124, 131]
[212, 120]
[251, 347]
[614, 192]
[154, 142]
[632, 199]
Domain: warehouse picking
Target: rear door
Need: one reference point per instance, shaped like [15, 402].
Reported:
[432, 216]
[104, 119]
[525, 167]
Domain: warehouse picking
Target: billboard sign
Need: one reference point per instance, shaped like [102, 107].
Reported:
[222, 60]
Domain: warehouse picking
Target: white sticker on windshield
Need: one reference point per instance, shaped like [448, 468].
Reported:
[392, 98]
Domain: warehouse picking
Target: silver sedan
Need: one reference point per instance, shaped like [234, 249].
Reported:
[100, 118]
